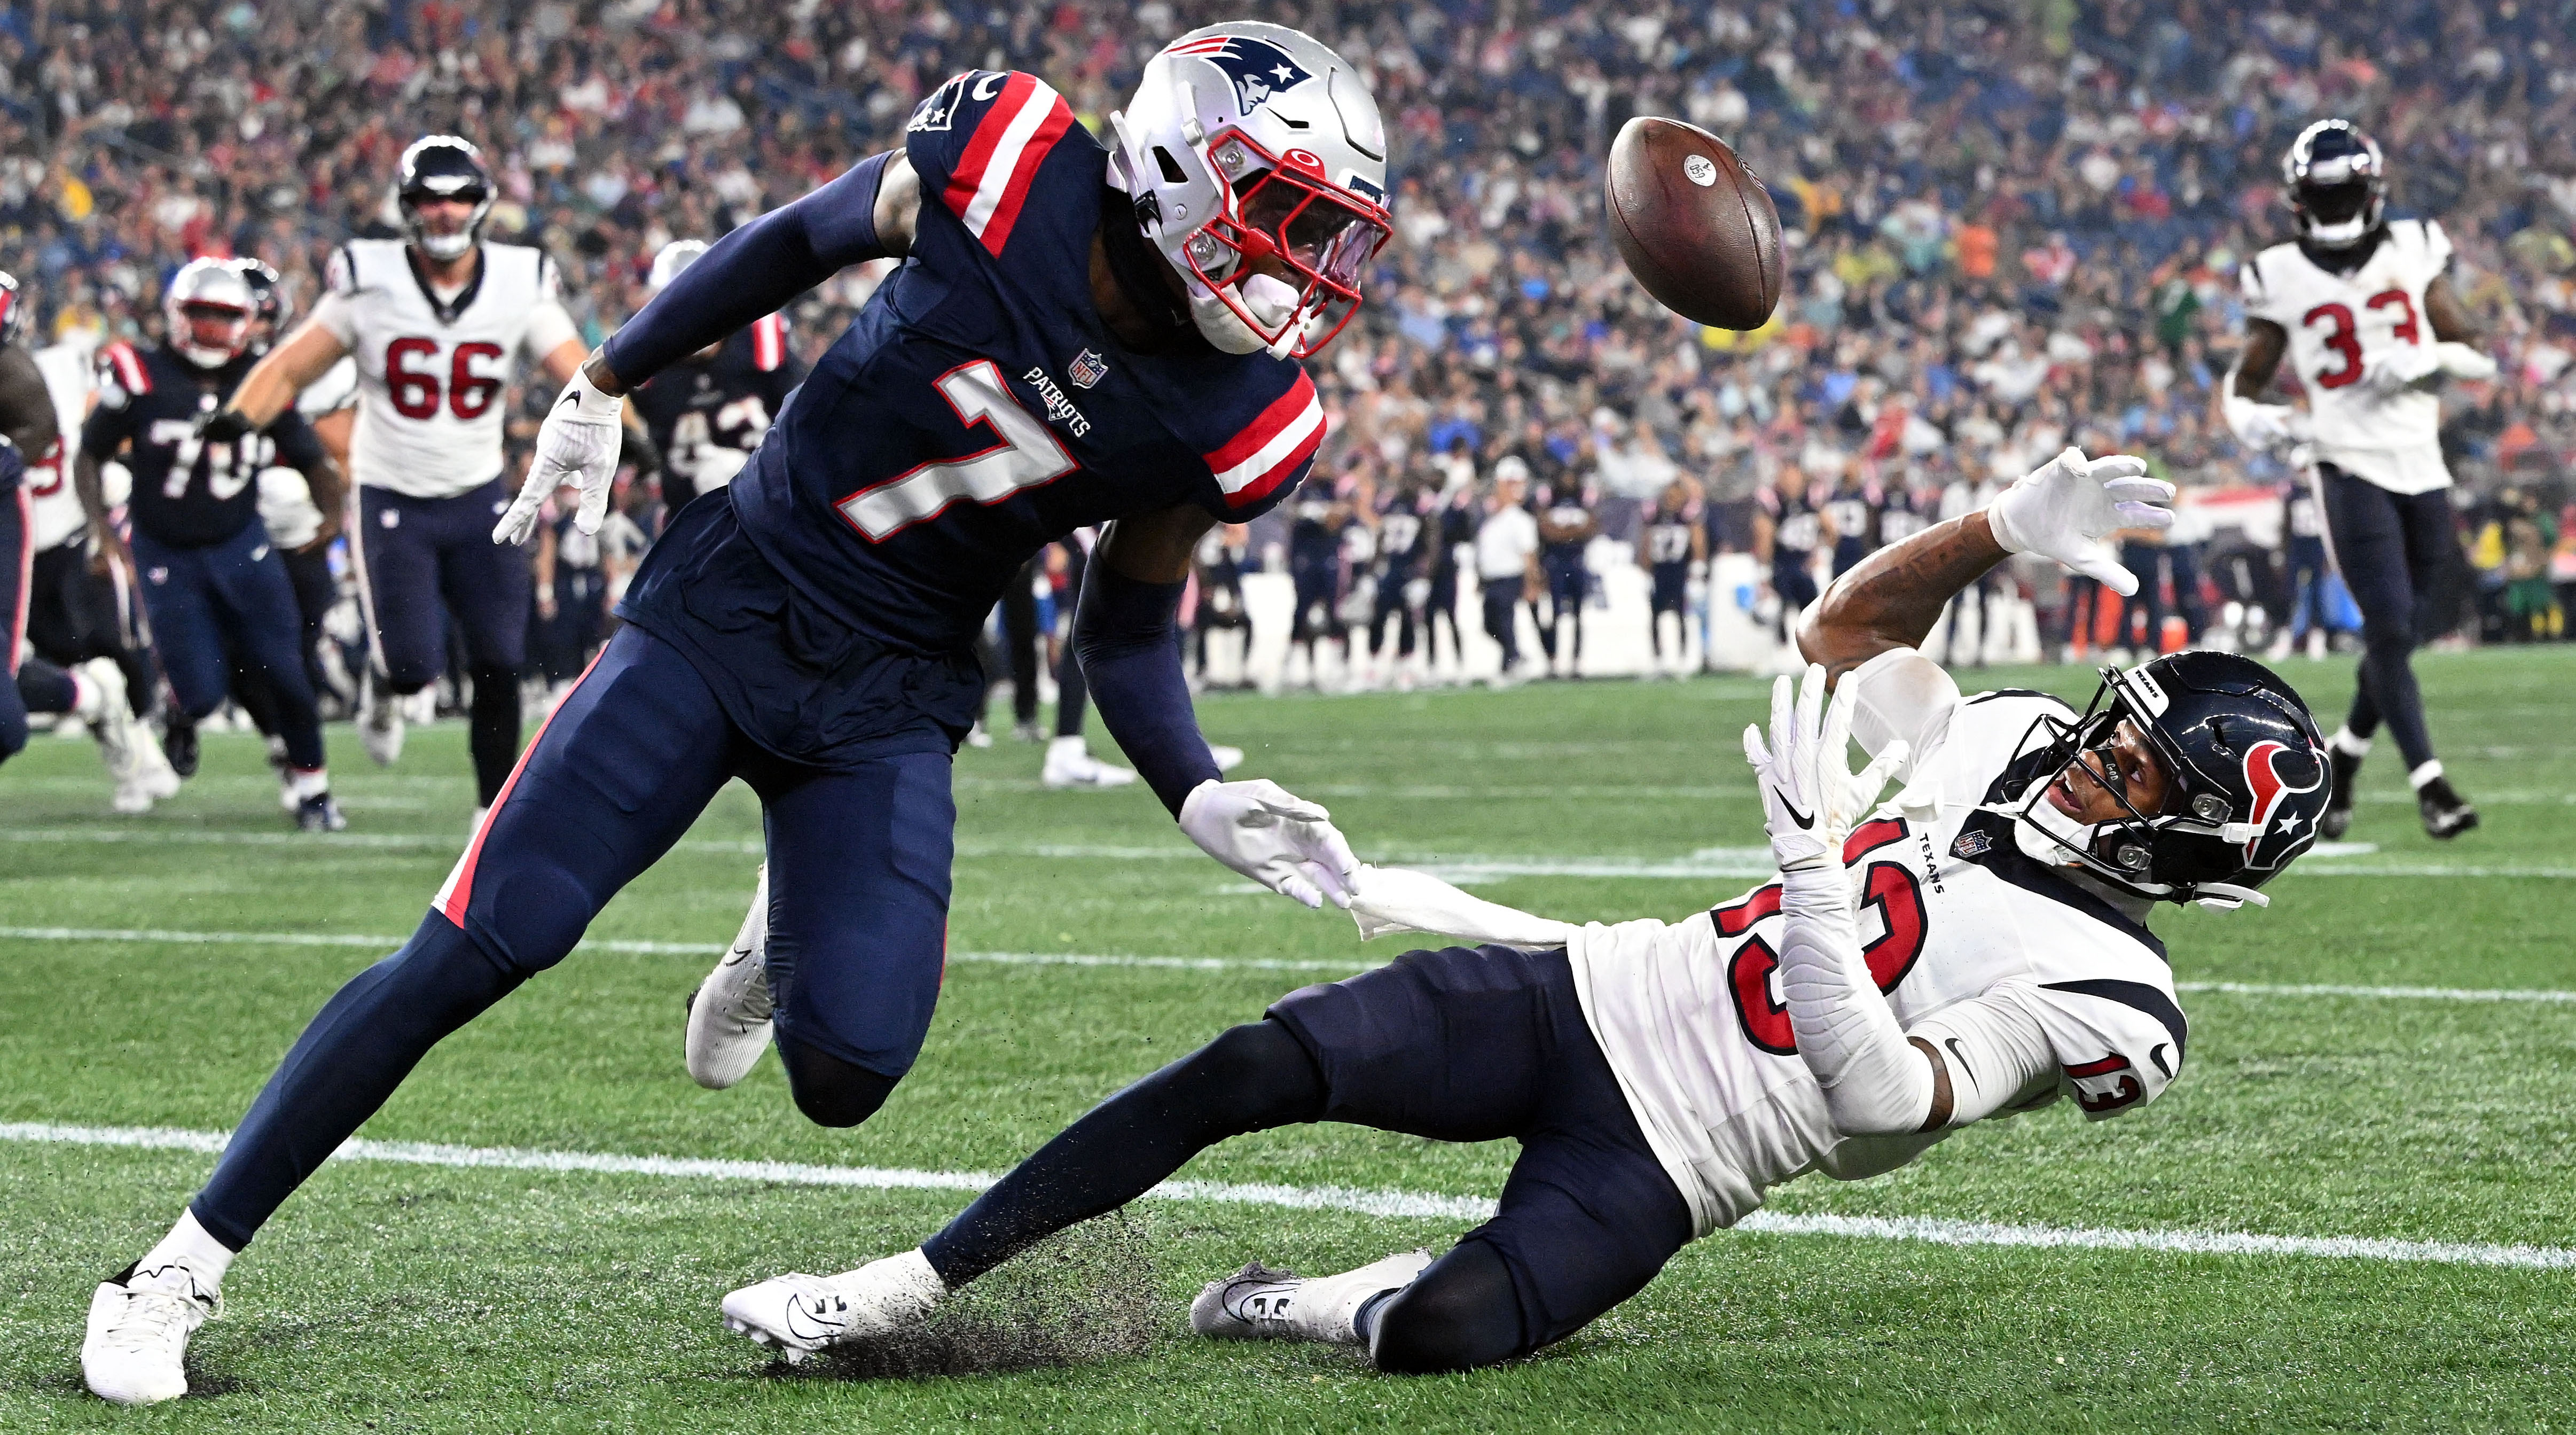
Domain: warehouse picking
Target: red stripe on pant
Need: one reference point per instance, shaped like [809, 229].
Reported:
[459, 891]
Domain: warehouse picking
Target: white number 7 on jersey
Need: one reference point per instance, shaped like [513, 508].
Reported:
[1027, 456]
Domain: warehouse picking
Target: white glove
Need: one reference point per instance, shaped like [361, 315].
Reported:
[2069, 506]
[2265, 426]
[1283, 842]
[2462, 361]
[2400, 369]
[576, 448]
[1810, 795]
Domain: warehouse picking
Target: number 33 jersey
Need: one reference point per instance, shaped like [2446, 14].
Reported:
[1690, 1014]
[433, 372]
[979, 407]
[2341, 326]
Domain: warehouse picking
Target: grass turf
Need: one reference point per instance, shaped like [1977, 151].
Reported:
[406, 1297]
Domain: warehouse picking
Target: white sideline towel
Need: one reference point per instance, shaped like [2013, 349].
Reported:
[1397, 899]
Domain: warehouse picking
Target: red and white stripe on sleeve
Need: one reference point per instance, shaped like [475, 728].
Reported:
[769, 342]
[1272, 447]
[126, 366]
[992, 178]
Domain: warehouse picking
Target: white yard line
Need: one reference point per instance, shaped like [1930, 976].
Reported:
[154, 936]
[1413, 1205]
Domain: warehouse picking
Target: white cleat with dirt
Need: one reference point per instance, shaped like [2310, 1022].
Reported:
[1259, 1303]
[798, 1314]
[729, 1017]
[139, 1324]
[380, 724]
[1069, 763]
[143, 773]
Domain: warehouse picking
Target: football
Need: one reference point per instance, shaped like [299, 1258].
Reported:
[1694, 225]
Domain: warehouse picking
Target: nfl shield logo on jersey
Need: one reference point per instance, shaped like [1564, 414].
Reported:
[1971, 844]
[1087, 369]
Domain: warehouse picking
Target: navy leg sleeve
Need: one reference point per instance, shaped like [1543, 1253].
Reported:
[2386, 551]
[858, 903]
[616, 777]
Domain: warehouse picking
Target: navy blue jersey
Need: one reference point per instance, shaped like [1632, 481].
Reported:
[1668, 536]
[1566, 504]
[1797, 528]
[1902, 513]
[979, 407]
[1314, 533]
[723, 402]
[1457, 528]
[1404, 539]
[1850, 506]
[187, 493]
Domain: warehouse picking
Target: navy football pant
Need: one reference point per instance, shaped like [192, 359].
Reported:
[1462, 1044]
[424, 560]
[858, 912]
[2396, 552]
[1566, 580]
[228, 603]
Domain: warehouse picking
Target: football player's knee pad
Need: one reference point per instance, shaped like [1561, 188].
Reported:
[1251, 1078]
[529, 908]
[830, 1091]
[1460, 1314]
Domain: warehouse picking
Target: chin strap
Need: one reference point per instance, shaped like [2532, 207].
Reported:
[2227, 897]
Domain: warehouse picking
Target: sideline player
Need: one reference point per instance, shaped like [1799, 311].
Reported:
[214, 583]
[438, 324]
[1788, 528]
[2361, 308]
[706, 413]
[47, 592]
[1675, 547]
[1975, 948]
[813, 632]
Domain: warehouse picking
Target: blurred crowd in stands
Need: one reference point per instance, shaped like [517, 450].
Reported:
[2014, 226]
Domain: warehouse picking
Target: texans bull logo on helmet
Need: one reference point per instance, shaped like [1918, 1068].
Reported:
[1258, 68]
[2271, 787]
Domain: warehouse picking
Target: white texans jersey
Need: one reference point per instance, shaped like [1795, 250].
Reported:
[433, 374]
[1951, 908]
[2340, 325]
[58, 517]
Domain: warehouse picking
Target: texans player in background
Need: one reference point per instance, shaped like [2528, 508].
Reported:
[93, 690]
[214, 584]
[1674, 546]
[706, 413]
[2361, 308]
[811, 628]
[1662, 1078]
[439, 324]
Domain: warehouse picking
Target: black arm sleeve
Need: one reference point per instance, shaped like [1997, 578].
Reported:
[755, 270]
[1127, 638]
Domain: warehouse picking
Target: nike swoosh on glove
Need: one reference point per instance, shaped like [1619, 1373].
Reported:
[1277, 839]
[576, 448]
[1810, 796]
[2068, 509]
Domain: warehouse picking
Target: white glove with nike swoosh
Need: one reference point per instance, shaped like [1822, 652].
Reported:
[1279, 840]
[576, 448]
[1810, 796]
[2068, 508]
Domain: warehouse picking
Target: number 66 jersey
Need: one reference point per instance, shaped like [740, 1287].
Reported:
[1951, 909]
[432, 369]
[2343, 325]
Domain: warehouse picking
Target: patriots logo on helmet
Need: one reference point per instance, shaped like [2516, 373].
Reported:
[2270, 788]
[1258, 68]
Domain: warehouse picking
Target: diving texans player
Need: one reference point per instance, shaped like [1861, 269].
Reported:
[439, 324]
[1975, 948]
[2360, 306]
[1078, 335]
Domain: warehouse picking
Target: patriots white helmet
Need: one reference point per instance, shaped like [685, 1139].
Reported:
[208, 307]
[1247, 143]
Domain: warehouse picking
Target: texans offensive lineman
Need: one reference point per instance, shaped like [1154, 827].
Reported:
[1078, 334]
[439, 325]
[2360, 306]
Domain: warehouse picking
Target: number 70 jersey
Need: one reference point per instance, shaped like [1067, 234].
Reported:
[432, 373]
[2340, 326]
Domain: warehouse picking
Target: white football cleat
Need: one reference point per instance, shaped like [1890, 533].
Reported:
[1259, 1303]
[800, 1314]
[139, 1326]
[143, 773]
[1069, 763]
[380, 723]
[730, 1014]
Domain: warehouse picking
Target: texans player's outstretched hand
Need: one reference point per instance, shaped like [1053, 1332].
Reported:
[1283, 842]
[576, 448]
[2068, 508]
[1810, 796]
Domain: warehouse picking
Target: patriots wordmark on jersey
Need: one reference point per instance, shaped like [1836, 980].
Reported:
[188, 492]
[1692, 1019]
[432, 370]
[2344, 325]
[947, 436]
